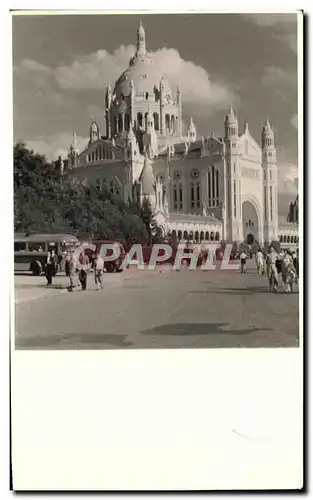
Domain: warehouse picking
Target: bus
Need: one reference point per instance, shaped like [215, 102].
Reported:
[30, 252]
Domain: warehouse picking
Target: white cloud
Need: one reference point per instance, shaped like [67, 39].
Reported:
[282, 82]
[56, 145]
[294, 121]
[282, 26]
[95, 70]
[288, 178]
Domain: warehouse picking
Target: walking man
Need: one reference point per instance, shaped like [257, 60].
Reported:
[243, 262]
[51, 264]
[259, 262]
[83, 264]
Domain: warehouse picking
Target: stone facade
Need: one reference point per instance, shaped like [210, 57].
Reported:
[204, 188]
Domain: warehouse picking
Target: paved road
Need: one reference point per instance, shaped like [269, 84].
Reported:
[149, 309]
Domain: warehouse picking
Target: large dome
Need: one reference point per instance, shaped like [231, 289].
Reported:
[142, 72]
[145, 76]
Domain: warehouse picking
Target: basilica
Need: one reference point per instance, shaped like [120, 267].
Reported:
[203, 189]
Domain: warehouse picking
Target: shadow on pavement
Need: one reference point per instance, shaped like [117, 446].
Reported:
[25, 286]
[242, 291]
[199, 329]
[72, 341]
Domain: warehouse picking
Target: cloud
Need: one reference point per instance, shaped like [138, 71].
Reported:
[294, 121]
[288, 178]
[280, 26]
[93, 71]
[55, 145]
[282, 82]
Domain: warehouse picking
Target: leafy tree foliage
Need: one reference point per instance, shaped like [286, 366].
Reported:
[44, 201]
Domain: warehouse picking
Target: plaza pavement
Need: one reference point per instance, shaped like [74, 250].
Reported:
[156, 309]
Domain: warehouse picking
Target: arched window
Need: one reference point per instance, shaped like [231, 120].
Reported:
[147, 96]
[201, 236]
[167, 122]
[172, 123]
[139, 119]
[197, 236]
[212, 236]
[207, 236]
[291, 239]
[288, 239]
[177, 197]
[217, 236]
[127, 121]
[280, 239]
[156, 121]
[120, 123]
[93, 156]
[185, 235]
[192, 195]
[98, 184]
[191, 235]
[179, 235]
[104, 185]
[89, 157]
[285, 238]
[115, 125]
[174, 234]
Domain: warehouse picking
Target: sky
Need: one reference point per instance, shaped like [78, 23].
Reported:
[62, 64]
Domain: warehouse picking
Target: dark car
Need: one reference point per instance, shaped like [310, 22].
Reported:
[113, 265]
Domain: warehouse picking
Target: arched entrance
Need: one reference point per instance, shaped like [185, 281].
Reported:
[250, 223]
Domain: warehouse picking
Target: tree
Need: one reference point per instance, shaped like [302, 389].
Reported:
[45, 201]
[146, 215]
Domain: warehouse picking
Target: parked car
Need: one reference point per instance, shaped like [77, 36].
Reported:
[113, 265]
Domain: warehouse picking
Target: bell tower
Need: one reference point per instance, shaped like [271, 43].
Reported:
[232, 174]
[270, 195]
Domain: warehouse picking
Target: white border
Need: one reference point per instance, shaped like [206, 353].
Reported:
[67, 372]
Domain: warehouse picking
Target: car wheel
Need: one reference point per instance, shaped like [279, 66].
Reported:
[110, 267]
[36, 268]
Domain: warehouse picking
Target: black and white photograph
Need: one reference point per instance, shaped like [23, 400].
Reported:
[156, 281]
[156, 199]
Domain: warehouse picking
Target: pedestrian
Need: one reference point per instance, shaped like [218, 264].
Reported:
[243, 262]
[259, 262]
[74, 283]
[67, 260]
[83, 270]
[272, 269]
[288, 272]
[51, 264]
[98, 265]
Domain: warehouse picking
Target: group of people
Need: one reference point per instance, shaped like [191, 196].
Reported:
[76, 270]
[284, 262]
[78, 274]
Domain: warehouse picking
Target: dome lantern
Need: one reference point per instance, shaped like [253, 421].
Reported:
[141, 41]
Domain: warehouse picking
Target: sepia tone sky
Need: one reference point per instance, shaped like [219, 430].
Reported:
[61, 65]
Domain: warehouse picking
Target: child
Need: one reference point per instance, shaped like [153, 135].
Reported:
[98, 271]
